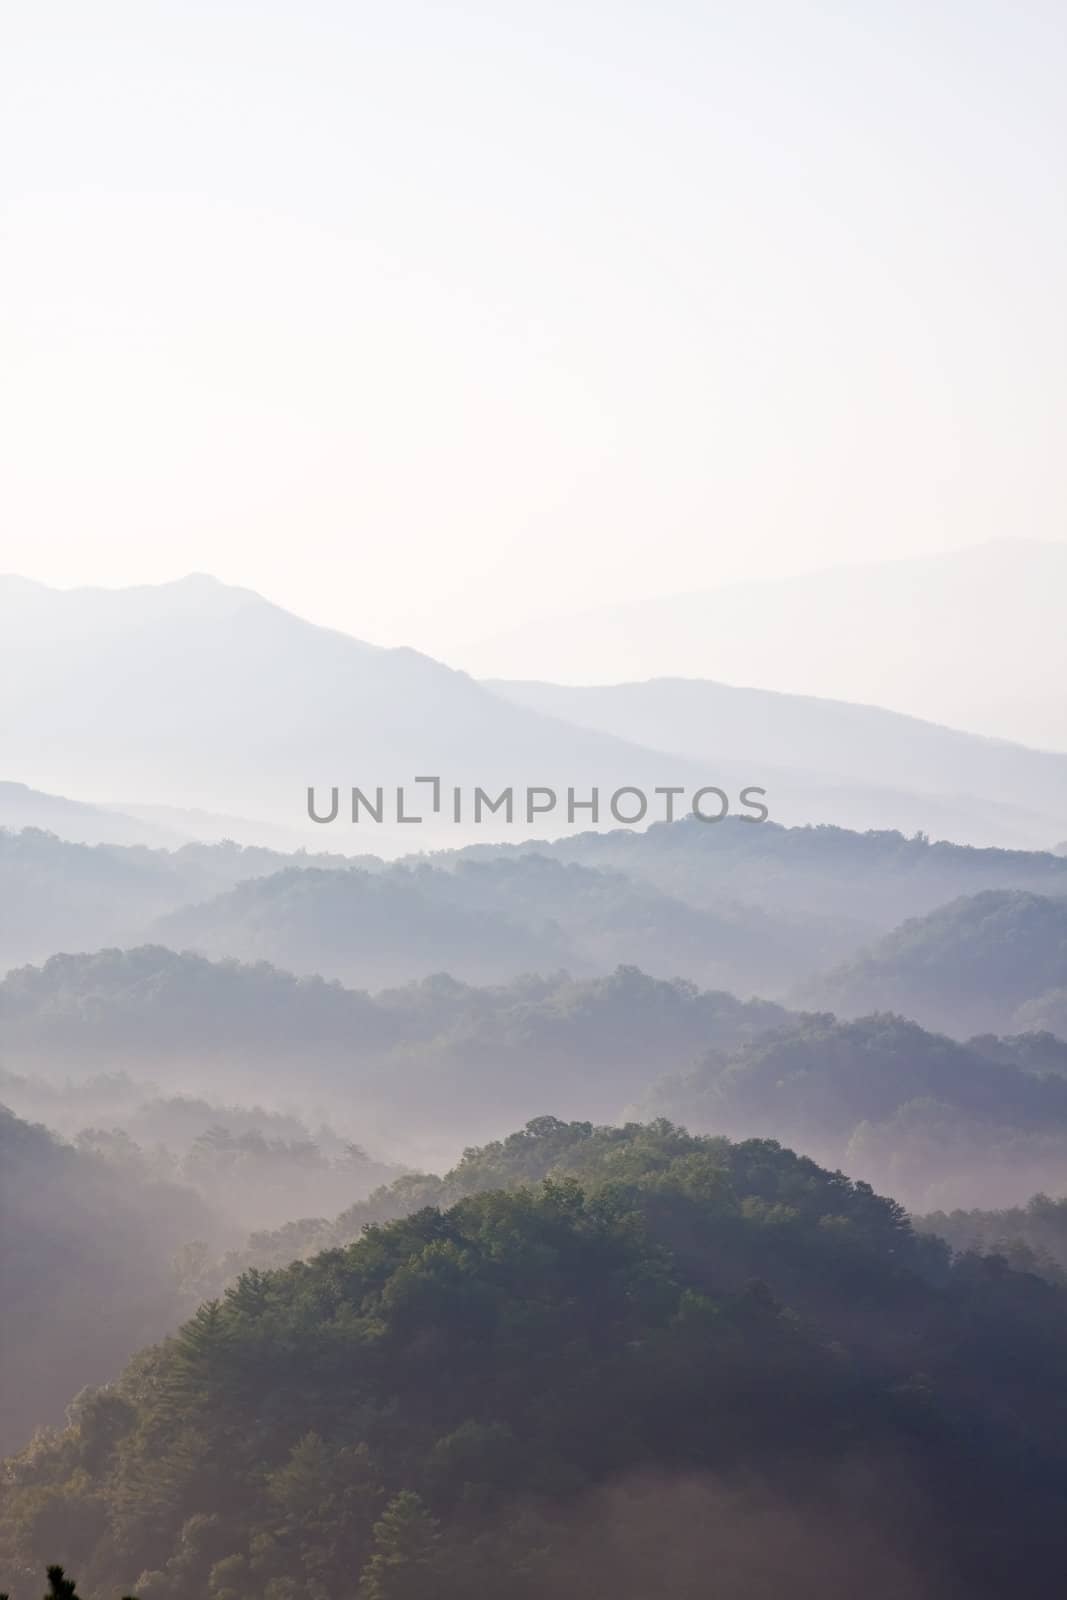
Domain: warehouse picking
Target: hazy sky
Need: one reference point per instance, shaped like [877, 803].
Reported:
[429, 319]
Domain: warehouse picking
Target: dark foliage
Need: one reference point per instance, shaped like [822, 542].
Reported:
[464, 1401]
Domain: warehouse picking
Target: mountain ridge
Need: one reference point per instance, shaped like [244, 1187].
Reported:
[970, 637]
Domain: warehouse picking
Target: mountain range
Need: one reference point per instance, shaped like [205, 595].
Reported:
[197, 694]
[973, 638]
[754, 909]
[196, 697]
[829, 760]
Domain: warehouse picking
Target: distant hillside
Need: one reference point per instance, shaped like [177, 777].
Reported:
[488, 921]
[416, 1070]
[979, 963]
[60, 896]
[22, 807]
[201, 699]
[830, 761]
[425, 1064]
[972, 638]
[198, 694]
[1031, 1238]
[85, 1245]
[368, 928]
[756, 908]
[817, 1078]
[943, 1123]
[852, 884]
[156, 827]
[1037, 1050]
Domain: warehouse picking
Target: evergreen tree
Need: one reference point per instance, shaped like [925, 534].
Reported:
[406, 1542]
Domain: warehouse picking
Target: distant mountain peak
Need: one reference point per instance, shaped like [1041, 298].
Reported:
[205, 583]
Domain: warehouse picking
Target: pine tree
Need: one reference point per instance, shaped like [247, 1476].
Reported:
[406, 1541]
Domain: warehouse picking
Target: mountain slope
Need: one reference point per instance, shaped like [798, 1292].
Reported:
[197, 694]
[75, 820]
[755, 908]
[698, 1358]
[828, 760]
[132, 824]
[428, 1064]
[946, 1124]
[60, 896]
[968, 967]
[84, 1245]
[973, 638]
[850, 881]
[487, 921]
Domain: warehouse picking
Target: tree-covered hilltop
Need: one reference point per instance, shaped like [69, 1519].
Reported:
[751, 908]
[967, 967]
[932, 1120]
[550, 1148]
[1039, 1052]
[872, 879]
[59, 895]
[546, 1149]
[374, 924]
[1033, 1237]
[488, 921]
[465, 1061]
[694, 1364]
[819, 1078]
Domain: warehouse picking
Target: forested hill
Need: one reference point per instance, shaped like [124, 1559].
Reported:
[85, 1270]
[695, 1358]
[749, 907]
[437, 1055]
[937, 1122]
[57, 895]
[1032, 1238]
[984, 962]
[414, 1071]
[373, 924]
[875, 878]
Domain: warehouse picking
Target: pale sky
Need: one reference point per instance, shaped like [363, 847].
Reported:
[427, 319]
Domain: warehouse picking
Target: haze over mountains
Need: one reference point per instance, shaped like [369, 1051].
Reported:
[753, 908]
[156, 826]
[973, 638]
[197, 694]
[423, 1176]
[984, 962]
[78, 821]
[830, 760]
[76, 1228]
[241, 1051]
